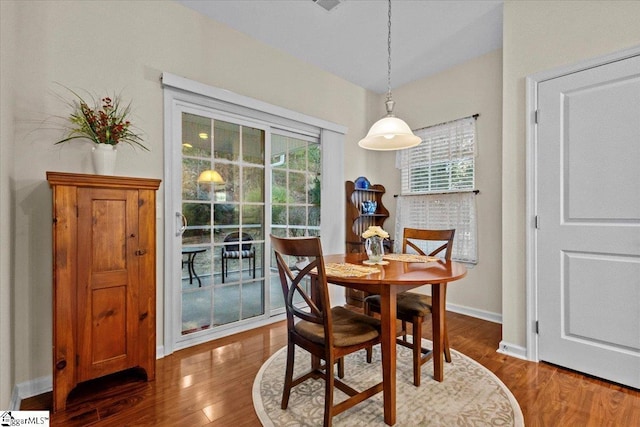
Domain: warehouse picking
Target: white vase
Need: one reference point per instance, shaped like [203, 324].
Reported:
[104, 159]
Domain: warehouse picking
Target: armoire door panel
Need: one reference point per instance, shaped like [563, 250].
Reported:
[108, 269]
[109, 315]
[108, 235]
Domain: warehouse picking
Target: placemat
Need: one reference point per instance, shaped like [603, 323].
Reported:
[410, 258]
[348, 270]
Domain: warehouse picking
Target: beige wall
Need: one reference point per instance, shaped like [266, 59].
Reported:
[461, 91]
[538, 36]
[69, 43]
[7, 47]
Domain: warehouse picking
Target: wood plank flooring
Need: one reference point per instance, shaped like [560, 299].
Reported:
[211, 384]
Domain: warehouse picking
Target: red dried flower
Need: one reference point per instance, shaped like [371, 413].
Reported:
[105, 124]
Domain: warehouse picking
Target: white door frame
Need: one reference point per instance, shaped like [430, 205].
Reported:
[531, 209]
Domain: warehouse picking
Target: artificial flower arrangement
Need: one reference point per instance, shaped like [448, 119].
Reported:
[104, 122]
[375, 230]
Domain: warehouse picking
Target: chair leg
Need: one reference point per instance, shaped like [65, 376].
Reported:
[341, 367]
[404, 331]
[447, 350]
[367, 311]
[254, 266]
[417, 349]
[288, 376]
[223, 262]
[328, 392]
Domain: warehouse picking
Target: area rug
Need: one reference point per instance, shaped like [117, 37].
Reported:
[470, 395]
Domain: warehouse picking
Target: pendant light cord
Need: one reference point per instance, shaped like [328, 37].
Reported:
[390, 132]
[389, 55]
[389, 102]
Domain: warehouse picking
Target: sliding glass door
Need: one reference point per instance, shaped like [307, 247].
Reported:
[223, 208]
[239, 181]
[235, 170]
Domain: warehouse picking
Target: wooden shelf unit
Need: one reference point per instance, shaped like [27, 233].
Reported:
[357, 223]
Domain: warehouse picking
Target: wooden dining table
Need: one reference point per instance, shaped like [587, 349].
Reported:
[388, 280]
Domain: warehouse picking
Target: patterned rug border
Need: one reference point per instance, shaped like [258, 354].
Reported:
[266, 421]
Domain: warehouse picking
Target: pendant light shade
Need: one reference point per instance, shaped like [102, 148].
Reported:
[389, 133]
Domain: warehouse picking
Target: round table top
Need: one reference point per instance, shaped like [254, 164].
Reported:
[400, 272]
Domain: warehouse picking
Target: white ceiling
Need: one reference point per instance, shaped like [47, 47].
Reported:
[350, 41]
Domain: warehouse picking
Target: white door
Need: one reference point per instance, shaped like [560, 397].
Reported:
[588, 207]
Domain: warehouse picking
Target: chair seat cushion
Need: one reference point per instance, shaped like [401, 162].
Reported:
[409, 304]
[349, 328]
[238, 254]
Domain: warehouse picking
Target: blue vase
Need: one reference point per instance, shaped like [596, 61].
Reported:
[362, 183]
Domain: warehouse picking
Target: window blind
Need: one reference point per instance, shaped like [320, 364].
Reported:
[441, 212]
[443, 162]
[438, 183]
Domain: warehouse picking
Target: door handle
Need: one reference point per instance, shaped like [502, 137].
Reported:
[183, 223]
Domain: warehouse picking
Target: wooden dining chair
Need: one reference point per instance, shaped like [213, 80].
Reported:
[413, 307]
[328, 333]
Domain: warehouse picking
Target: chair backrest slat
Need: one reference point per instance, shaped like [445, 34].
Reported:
[412, 234]
[308, 283]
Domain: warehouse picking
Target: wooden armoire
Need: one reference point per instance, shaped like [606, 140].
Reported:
[104, 278]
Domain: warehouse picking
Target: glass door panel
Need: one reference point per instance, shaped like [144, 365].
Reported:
[295, 195]
[223, 189]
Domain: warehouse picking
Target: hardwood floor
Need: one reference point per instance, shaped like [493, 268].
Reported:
[211, 385]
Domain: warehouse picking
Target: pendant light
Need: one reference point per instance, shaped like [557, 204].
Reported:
[390, 132]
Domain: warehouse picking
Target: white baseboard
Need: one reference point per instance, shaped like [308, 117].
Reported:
[504, 347]
[512, 350]
[42, 385]
[29, 389]
[474, 312]
[14, 403]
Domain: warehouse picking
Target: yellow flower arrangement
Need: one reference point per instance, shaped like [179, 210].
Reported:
[375, 230]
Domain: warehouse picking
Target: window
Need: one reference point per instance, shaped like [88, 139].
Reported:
[438, 184]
